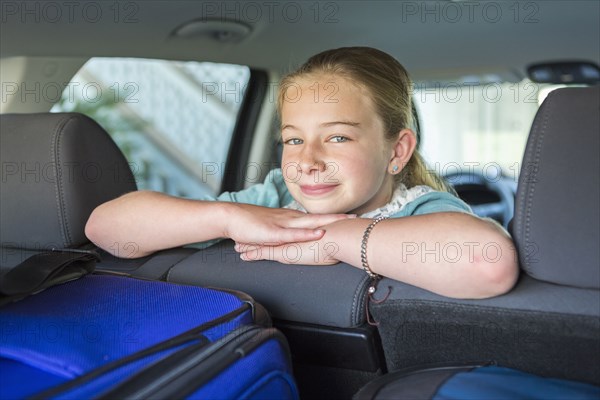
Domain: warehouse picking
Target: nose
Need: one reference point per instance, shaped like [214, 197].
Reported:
[311, 159]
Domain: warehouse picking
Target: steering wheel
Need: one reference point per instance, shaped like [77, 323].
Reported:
[488, 197]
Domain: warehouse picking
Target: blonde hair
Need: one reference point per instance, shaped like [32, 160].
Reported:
[390, 87]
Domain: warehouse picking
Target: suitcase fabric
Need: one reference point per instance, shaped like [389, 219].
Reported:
[474, 383]
[119, 337]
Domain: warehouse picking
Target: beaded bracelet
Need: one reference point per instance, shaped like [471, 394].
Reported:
[363, 246]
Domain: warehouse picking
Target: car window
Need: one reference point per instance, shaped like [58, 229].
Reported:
[173, 120]
[477, 127]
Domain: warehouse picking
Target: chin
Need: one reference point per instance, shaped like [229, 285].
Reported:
[323, 209]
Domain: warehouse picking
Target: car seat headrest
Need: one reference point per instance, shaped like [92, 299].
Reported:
[556, 224]
[56, 168]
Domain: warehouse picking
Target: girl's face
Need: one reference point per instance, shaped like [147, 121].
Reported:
[335, 156]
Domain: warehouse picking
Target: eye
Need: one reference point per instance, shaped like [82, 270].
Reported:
[338, 139]
[293, 141]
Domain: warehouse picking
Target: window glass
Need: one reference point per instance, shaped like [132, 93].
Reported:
[173, 120]
[480, 127]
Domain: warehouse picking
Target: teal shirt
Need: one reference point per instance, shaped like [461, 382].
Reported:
[433, 202]
[271, 193]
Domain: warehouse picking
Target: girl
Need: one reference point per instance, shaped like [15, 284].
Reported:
[348, 151]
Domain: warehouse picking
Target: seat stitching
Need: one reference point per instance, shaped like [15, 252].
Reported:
[530, 181]
[355, 315]
[538, 151]
[60, 201]
[519, 228]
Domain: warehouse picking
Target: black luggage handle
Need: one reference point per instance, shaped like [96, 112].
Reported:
[43, 270]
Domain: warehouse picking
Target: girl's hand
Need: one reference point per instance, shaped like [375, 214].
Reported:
[275, 226]
[320, 252]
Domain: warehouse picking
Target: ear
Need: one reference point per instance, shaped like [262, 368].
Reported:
[403, 149]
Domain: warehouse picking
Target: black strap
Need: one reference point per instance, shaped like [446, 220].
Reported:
[43, 270]
[158, 266]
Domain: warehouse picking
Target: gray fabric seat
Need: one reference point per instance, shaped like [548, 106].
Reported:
[556, 224]
[550, 322]
[56, 169]
[324, 295]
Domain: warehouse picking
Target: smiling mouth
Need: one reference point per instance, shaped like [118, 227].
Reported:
[317, 190]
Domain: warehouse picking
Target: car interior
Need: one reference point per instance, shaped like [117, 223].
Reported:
[530, 165]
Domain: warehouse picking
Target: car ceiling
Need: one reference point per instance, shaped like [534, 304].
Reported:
[430, 38]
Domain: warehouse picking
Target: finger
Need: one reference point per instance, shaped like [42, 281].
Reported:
[292, 235]
[313, 221]
[244, 247]
[255, 254]
[248, 256]
[272, 253]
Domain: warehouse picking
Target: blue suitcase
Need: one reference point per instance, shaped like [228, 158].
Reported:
[117, 337]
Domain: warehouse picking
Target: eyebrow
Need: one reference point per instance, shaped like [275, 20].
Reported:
[325, 124]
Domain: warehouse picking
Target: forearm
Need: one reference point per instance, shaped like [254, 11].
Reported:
[139, 223]
[452, 254]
